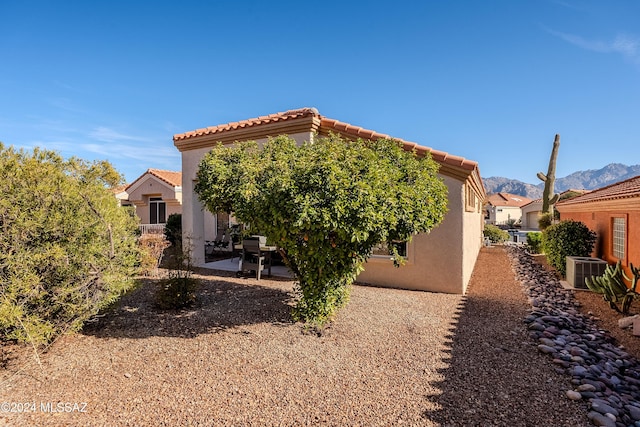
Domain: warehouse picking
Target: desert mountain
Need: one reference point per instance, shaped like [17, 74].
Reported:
[588, 180]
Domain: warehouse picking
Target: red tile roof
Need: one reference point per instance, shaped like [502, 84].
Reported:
[327, 125]
[170, 177]
[507, 199]
[622, 190]
[271, 118]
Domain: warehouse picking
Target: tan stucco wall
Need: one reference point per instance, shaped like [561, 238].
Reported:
[435, 260]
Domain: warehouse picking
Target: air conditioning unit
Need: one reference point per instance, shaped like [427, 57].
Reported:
[579, 268]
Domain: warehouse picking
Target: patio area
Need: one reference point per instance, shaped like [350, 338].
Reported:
[232, 264]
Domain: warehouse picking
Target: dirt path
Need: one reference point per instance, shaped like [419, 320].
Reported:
[391, 357]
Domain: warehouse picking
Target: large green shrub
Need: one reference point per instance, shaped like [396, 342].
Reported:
[567, 238]
[495, 234]
[326, 204]
[67, 248]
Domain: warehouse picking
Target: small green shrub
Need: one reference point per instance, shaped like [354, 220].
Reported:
[173, 228]
[178, 290]
[534, 242]
[495, 234]
[567, 238]
[545, 220]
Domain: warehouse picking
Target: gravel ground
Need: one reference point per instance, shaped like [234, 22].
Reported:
[391, 357]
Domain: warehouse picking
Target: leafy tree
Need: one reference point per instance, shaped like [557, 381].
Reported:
[567, 238]
[326, 204]
[66, 247]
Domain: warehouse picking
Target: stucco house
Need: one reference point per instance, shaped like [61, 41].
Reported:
[530, 214]
[441, 261]
[613, 212]
[504, 208]
[156, 194]
[532, 211]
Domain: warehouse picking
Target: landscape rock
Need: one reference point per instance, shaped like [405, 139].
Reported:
[625, 322]
[573, 395]
[602, 373]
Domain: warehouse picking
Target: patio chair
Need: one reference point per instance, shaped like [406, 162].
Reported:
[223, 243]
[253, 259]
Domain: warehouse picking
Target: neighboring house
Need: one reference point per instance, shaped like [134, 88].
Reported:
[504, 208]
[156, 194]
[441, 261]
[530, 214]
[532, 211]
[613, 212]
[121, 194]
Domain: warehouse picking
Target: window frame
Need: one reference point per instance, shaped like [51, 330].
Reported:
[616, 246]
[157, 210]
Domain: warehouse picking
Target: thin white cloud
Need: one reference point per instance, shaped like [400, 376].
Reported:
[623, 44]
[105, 134]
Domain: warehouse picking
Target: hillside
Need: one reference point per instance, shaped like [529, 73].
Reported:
[588, 180]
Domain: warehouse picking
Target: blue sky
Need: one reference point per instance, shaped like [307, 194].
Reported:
[492, 81]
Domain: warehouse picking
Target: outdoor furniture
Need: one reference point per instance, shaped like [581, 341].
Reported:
[223, 243]
[256, 257]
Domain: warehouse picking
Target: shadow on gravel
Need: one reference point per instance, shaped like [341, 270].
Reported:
[222, 302]
[495, 375]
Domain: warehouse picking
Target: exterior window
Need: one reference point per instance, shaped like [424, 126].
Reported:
[618, 237]
[382, 250]
[158, 211]
[470, 199]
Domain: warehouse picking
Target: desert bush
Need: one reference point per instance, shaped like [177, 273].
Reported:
[152, 247]
[173, 228]
[67, 249]
[495, 234]
[567, 238]
[178, 289]
[534, 242]
[545, 220]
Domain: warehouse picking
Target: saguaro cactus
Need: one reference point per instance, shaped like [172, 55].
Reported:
[548, 196]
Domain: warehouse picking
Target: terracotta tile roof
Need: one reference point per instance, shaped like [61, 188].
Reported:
[326, 125]
[170, 177]
[119, 188]
[358, 132]
[508, 199]
[271, 118]
[622, 190]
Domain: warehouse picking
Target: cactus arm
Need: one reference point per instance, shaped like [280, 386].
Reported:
[542, 177]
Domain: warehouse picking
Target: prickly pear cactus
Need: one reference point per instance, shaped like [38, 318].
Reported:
[548, 196]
